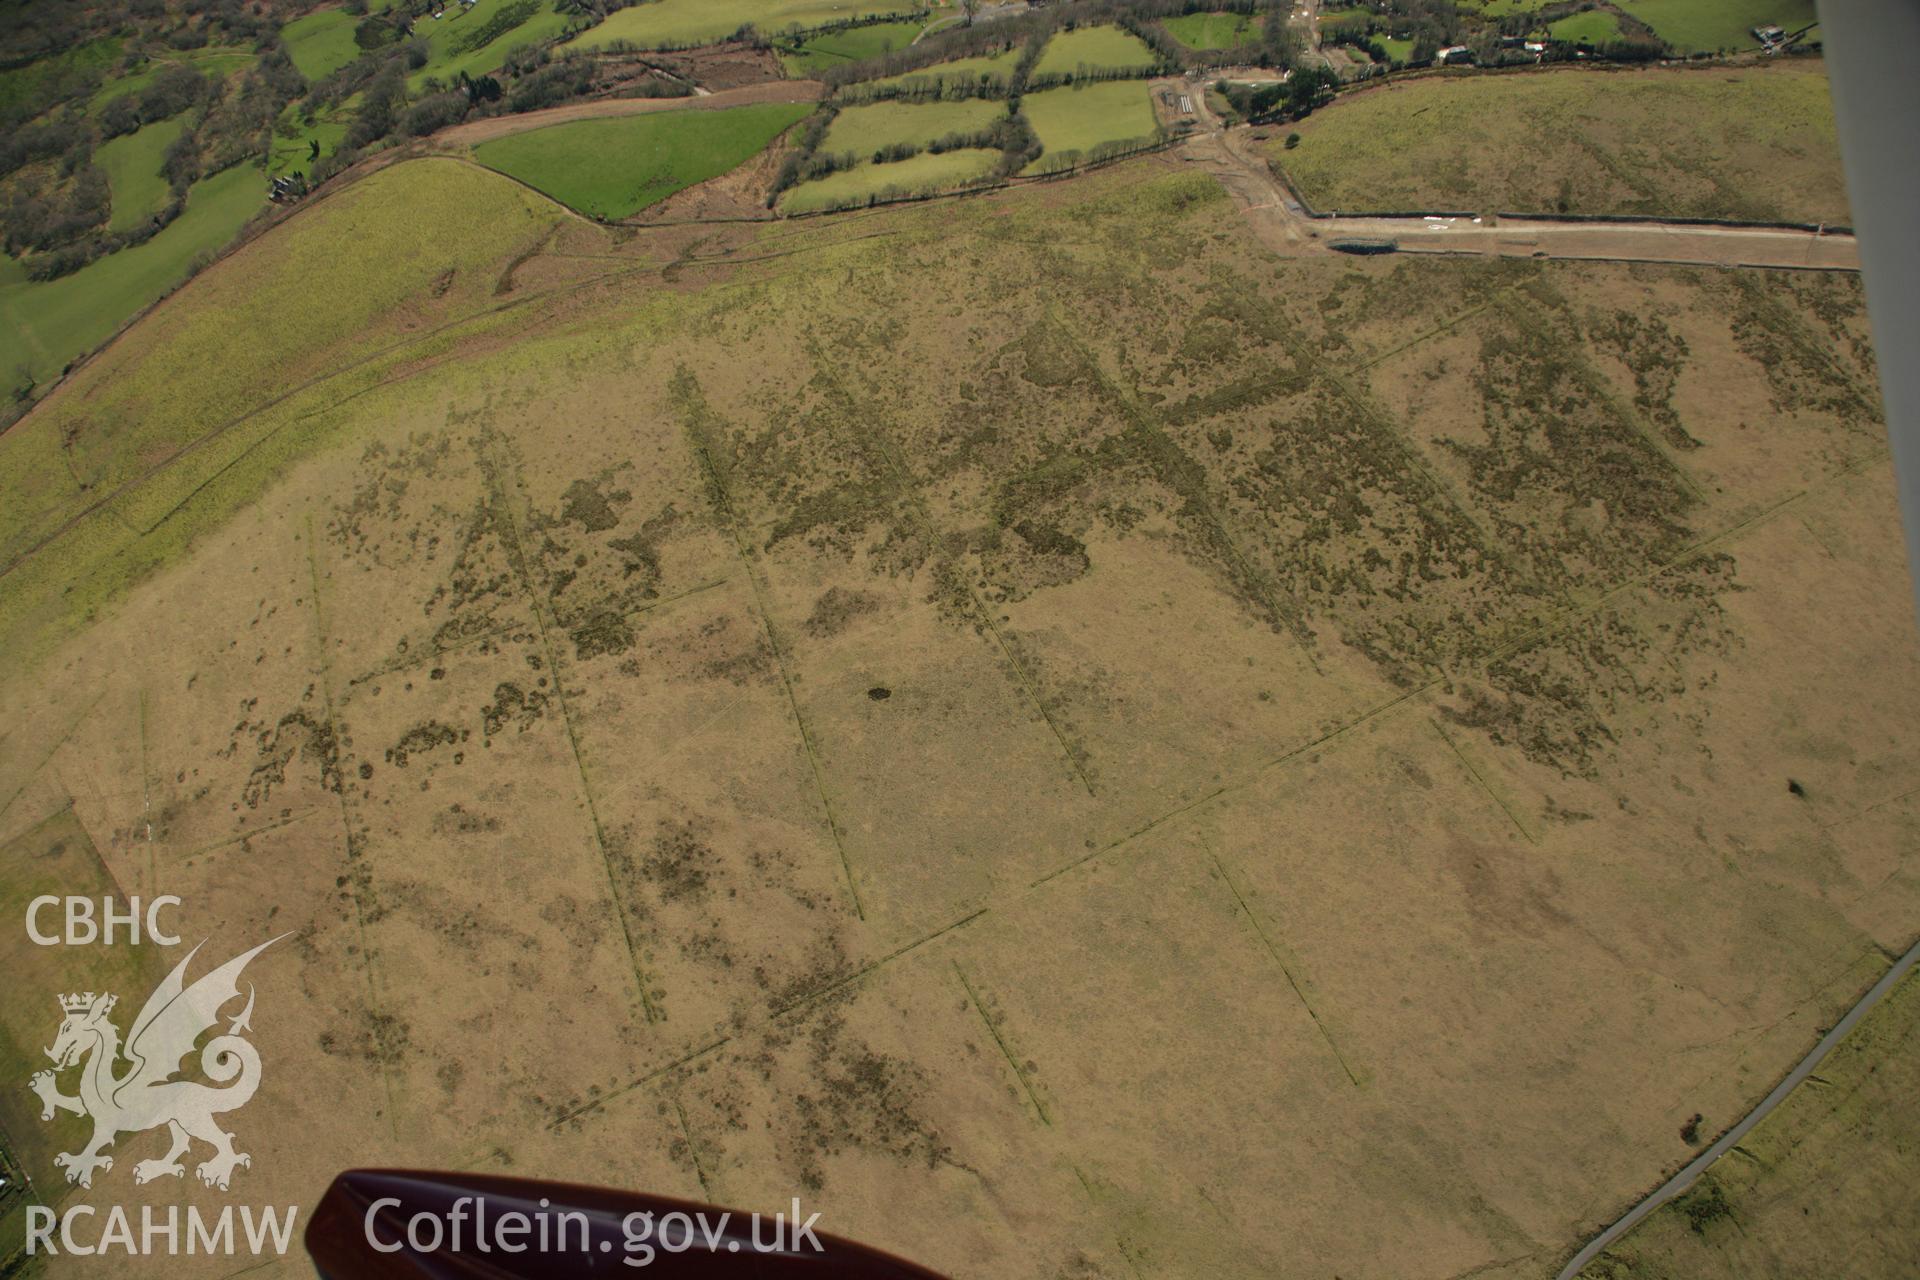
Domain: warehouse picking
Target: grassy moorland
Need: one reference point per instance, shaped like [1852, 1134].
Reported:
[45, 324]
[157, 408]
[1759, 145]
[1015, 701]
[1072, 122]
[613, 168]
[678, 23]
[1807, 1178]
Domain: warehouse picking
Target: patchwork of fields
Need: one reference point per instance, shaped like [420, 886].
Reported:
[803, 676]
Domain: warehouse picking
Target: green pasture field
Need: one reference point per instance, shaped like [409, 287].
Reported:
[1759, 146]
[1705, 26]
[679, 23]
[864, 130]
[452, 47]
[321, 43]
[614, 168]
[831, 49]
[132, 164]
[997, 67]
[1595, 27]
[48, 323]
[915, 175]
[1095, 49]
[1397, 50]
[1213, 30]
[1082, 117]
[295, 154]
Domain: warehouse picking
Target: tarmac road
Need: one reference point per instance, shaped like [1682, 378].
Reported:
[1729, 1140]
[1228, 154]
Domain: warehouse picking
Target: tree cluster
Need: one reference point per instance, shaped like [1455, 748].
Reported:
[1303, 91]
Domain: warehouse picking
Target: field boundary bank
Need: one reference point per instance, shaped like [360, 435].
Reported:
[1690, 1173]
[1279, 171]
[1654, 219]
[1702, 62]
[1000, 184]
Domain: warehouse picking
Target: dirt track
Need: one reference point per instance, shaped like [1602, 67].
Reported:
[1605, 241]
[480, 131]
[1286, 228]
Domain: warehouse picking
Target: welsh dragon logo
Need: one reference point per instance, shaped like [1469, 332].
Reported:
[146, 1095]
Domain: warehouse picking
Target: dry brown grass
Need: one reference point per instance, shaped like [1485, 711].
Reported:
[1075, 745]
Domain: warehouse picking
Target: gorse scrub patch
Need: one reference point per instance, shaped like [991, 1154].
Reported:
[614, 168]
[214, 64]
